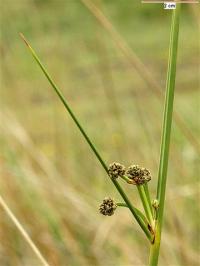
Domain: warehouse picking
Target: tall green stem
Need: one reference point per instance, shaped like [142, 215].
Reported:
[166, 132]
[92, 146]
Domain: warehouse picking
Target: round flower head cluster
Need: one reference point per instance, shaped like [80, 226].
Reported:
[138, 175]
[107, 207]
[115, 170]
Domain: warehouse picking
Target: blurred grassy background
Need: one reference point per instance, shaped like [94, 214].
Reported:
[49, 177]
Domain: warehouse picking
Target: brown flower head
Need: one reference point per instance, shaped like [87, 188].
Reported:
[115, 170]
[138, 175]
[107, 207]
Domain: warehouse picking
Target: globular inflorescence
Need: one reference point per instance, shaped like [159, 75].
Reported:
[139, 175]
[115, 170]
[107, 207]
[135, 174]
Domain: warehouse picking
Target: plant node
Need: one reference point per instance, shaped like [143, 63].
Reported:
[155, 204]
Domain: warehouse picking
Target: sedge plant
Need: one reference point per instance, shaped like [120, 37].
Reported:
[151, 220]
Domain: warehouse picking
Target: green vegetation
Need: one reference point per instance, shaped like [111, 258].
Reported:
[51, 181]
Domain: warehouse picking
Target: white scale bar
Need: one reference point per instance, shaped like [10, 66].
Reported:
[169, 5]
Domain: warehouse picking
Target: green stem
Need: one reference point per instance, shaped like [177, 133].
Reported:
[166, 132]
[127, 179]
[92, 146]
[145, 204]
[122, 204]
[146, 189]
[140, 214]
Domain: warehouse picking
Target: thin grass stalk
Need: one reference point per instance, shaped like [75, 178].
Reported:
[23, 232]
[92, 146]
[166, 133]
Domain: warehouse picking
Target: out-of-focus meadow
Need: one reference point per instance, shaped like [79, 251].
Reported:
[49, 176]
